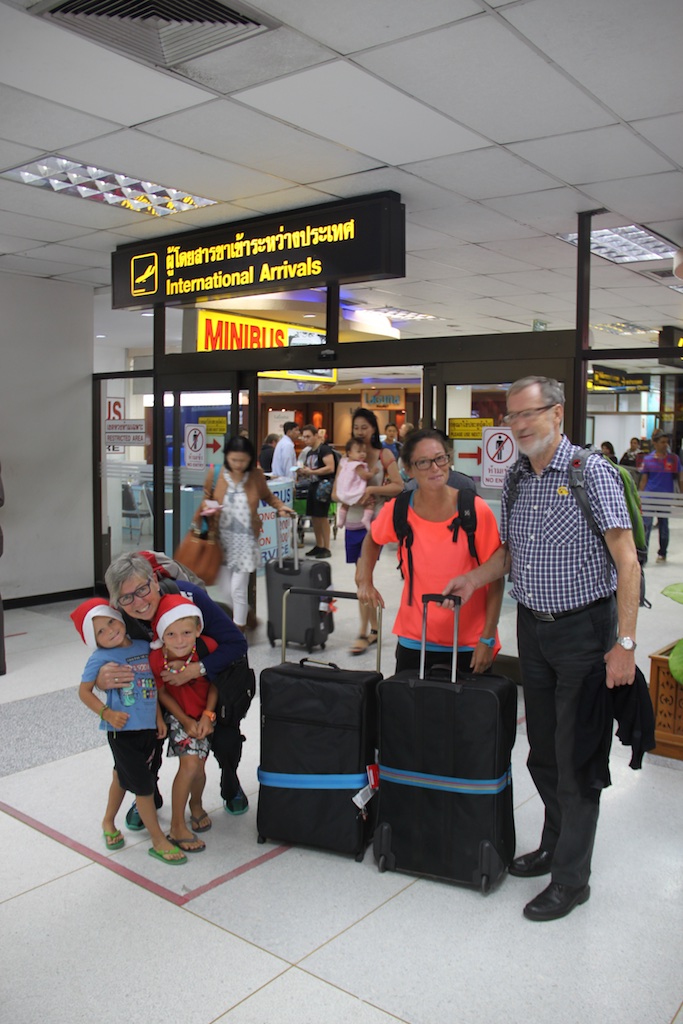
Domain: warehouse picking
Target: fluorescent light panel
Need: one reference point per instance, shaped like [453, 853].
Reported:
[73, 179]
[630, 244]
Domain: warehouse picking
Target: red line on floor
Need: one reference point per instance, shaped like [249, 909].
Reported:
[8, 635]
[111, 864]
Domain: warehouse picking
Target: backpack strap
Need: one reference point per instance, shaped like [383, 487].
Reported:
[577, 483]
[467, 519]
[404, 536]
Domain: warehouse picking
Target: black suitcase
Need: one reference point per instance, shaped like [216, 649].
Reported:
[445, 794]
[318, 736]
[309, 623]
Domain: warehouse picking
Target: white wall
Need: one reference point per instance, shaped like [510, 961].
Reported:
[46, 363]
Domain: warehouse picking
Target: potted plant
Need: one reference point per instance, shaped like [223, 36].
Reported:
[666, 690]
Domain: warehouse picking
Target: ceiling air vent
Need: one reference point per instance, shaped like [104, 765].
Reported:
[159, 32]
[661, 276]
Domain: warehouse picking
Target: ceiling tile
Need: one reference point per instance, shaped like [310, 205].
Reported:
[554, 210]
[664, 132]
[357, 24]
[155, 160]
[36, 267]
[36, 228]
[486, 78]
[261, 58]
[621, 50]
[475, 259]
[596, 155]
[288, 199]
[37, 121]
[393, 127]
[471, 222]
[541, 251]
[13, 155]
[38, 202]
[85, 73]
[482, 173]
[643, 198]
[232, 132]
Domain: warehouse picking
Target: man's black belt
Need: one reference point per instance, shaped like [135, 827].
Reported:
[553, 616]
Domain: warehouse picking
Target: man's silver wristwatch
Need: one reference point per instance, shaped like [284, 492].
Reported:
[627, 642]
[202, 667]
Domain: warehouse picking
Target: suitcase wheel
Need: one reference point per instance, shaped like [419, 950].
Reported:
[271, 633]
[261, 839]
[382, 863]
[485, 885]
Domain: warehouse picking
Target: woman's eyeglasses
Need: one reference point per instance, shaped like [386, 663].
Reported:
[440, 461]
[127, 599]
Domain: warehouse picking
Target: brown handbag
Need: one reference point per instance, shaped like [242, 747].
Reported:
[200, 550]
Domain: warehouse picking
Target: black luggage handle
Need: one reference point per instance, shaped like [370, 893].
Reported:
[439, 599]
[351, 595]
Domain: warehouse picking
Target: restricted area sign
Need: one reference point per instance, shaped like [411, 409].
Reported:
[195, 445]
[499, 452]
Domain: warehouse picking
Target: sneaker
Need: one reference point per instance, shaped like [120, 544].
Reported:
[323, 553]
[661, 558]
[133, 819]
[313, 553]
[239, 803]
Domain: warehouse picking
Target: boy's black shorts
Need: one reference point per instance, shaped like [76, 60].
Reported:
[133, 756]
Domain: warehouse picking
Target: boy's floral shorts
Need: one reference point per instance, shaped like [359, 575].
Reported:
[179, 743]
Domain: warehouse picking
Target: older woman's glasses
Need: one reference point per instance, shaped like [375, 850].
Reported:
[440, 461]
[127, 599]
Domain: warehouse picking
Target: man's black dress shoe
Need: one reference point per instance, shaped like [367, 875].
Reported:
[532, 864]
[556, 901]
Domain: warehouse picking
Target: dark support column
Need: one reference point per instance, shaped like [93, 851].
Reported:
[158, 431]
[332, 315]
[583, 276]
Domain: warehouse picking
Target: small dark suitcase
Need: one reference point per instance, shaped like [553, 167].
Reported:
[310, 620]
[318, 737]
[445, 794]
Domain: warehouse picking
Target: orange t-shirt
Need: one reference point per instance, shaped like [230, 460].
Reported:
[436, 559]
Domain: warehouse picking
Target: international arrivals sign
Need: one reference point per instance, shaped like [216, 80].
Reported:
[361, 239]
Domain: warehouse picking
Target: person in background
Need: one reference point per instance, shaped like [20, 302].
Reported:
[391, 440]
[284, 456]
[235, 496]
[661, 471]
[384, 483]
[351, 481]
[265, 456]
[406, 429]
[607, 449]
[435, 556]
[319, 468]
[567, 624]
[630, 457]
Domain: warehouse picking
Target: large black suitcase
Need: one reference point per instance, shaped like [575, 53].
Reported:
[318, 736]
[310, 620]
[445, 795]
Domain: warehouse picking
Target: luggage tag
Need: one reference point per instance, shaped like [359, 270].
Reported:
[363, 797]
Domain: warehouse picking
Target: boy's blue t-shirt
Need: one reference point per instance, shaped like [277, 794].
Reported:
[139, 700]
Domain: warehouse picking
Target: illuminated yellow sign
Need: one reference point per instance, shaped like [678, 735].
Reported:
[467, 429]
[228, 332]
[214, 424]
[352, 240]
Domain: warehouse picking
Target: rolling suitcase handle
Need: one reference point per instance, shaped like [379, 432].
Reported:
[294, 520]
[439, 599]
[342, 594]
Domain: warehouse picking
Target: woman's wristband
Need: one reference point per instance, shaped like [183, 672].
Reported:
[101, 712]
[488, 640]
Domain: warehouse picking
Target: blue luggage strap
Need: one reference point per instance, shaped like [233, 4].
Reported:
[446, 783]
[287, 780]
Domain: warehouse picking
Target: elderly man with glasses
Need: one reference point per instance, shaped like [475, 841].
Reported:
[136, 592]
[577, 607]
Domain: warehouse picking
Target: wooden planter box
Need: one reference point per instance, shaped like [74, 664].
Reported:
[667, 701]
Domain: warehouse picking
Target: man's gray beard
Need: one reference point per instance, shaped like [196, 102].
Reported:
[538, 446]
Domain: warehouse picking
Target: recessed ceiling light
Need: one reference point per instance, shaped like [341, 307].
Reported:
[147, 314]
[402, 314]
[100, 335]
[73, 179]
[630, 244]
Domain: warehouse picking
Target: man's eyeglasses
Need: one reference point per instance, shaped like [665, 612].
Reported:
[127, 599]
[526, 414]
[440, 461]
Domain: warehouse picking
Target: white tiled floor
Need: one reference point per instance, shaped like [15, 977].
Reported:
[251, 934]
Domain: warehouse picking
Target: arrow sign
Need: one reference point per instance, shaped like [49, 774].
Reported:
[214, 445]
[471, 455]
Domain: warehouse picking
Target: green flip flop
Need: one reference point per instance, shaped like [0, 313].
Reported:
[162, 855]
[119, 841]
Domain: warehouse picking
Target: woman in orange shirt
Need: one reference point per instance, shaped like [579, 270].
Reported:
[438, 552]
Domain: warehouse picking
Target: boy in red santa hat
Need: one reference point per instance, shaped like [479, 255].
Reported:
[131, 717]
[190, 712]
